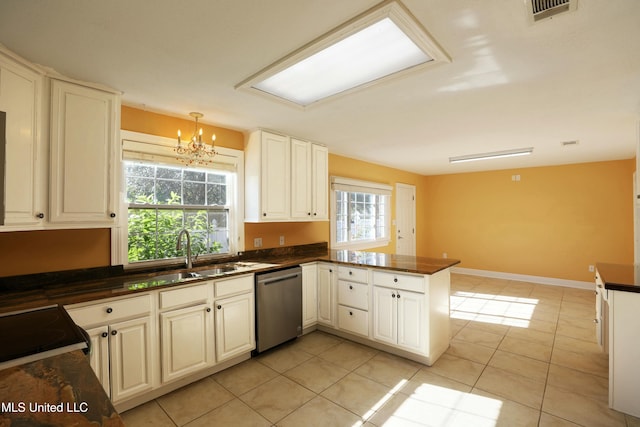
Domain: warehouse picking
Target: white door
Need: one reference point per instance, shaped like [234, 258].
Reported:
[385, 314]
[326, 294]
[300, 179]
[276, 176]
[187, 341]
[99, 356]
[320, 181]
[131, 358]
[405, 219]
[410, 315]
[234, 326]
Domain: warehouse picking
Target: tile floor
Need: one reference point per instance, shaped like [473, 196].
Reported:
[522, 354]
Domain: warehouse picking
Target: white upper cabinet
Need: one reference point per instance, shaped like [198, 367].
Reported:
[83, 179]
[286, 179]
[20, 98]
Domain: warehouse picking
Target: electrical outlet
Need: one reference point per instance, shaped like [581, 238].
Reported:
[444, 254]
[257, 242]
[592, 268]
[281, 240]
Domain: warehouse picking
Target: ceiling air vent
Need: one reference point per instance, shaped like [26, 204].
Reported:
[543, 9]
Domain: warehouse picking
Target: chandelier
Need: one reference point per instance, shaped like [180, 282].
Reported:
[195, 152]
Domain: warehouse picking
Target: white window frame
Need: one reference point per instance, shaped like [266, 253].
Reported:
[158, 149]
[358, 186]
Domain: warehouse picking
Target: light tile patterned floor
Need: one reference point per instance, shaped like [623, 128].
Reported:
[521, 355]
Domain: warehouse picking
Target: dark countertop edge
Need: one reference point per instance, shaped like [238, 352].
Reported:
[110, 287]
[618, 277]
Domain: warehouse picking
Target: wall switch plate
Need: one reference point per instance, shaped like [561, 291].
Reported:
[257, 242]
[281, 240]
[592, 268]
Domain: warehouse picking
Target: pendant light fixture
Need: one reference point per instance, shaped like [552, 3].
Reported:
[195, 152]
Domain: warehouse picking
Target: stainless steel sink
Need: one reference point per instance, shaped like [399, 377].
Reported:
[216, 271]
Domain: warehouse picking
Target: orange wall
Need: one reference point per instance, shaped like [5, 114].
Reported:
[27, 252]
[554, 222]
[136, 120]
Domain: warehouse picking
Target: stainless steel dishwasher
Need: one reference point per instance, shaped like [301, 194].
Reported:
[278, 307]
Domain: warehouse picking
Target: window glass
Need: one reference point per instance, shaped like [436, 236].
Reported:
[162, 200]
[360, 217]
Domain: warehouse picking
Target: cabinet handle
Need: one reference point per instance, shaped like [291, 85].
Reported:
[208, 309]
[315, 214]
[109, 310]
[40, 215]
[393, 295]
[350, 273]
[264, 214]
[395, 280]
[398, 295]
[112, 214]
[351, 313]
[104, 335]
[351, 287]
[309, 213]
[114, 332]
[330, 271]
[219, 307]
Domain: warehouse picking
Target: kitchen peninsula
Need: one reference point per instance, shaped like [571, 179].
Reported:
[396, 303]
[618, 314]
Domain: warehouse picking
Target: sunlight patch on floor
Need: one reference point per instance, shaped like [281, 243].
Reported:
[494, 309]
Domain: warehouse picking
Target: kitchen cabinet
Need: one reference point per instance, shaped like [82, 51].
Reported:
[327, 301]
[353, 300]
[25, 181]
[84, 140]
[234, 316]
[125, 327]
[309, 295]
[286, 179]
[309, 181]
[186, 330]
[400, 310]
[267, 177]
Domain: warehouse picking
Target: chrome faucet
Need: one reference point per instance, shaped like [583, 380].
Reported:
[179, 246]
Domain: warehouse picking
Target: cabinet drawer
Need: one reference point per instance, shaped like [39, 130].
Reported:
[109, 311]
[184, 296]
[353, 274]
[236, 285]
[399, 281]
[353, 320]
[353, 294]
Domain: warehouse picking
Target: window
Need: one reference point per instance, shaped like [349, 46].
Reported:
[162, 196]
[361, 217]
[162, 200]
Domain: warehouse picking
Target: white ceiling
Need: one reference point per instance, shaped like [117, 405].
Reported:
[510, 84]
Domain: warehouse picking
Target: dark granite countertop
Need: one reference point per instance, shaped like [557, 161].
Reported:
[57, 391]
[25, 292]
[620, 277]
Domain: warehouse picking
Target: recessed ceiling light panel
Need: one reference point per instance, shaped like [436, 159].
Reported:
[380, 43]
[492, 155]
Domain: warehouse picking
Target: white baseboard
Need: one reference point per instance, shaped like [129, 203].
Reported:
[525, 278]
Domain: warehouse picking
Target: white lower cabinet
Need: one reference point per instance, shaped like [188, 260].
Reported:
[235, 317]
[399, 318]
[327, 283]
[121, 332]
[309, 294]
[186, 330]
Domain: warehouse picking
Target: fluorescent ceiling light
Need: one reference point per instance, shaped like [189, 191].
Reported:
[493, 155]
[380, 43]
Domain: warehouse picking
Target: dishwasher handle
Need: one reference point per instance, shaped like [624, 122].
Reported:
[272, 280]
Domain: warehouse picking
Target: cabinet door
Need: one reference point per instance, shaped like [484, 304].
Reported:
[327, 278]
[131, 358]
[99, 359]
[276, 177]
[301, 192]
[320, 182]
[385, 314]
[20, 98]
[187, 341]
[411, 312]
[83, 134]
[235, 326]
[309, 295]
